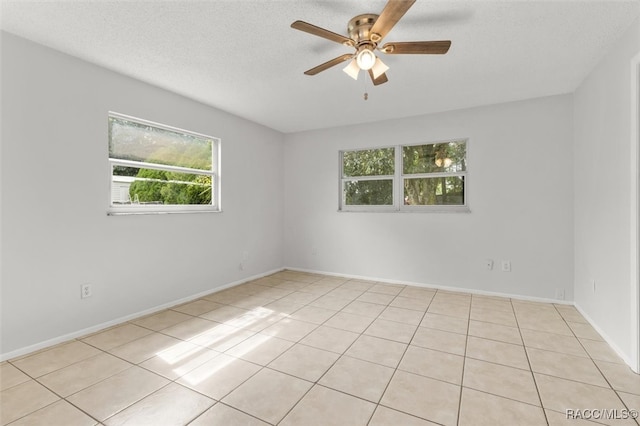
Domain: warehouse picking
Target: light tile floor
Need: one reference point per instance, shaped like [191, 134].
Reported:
[306, 349]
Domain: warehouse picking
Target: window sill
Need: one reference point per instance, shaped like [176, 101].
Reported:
[415, 209]
[119, 212]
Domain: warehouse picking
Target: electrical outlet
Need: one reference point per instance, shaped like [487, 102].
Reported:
[559, 294]
[488, 264]
[85, 291]
[506, 266]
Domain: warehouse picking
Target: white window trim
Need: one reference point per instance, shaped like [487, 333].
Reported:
[398, 178]
[215, 173]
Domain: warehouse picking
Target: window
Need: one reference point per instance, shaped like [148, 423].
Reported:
[426, 177]
[157, 168]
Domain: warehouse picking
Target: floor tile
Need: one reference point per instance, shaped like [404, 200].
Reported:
[313, 314]
[500, 380]
[330, 302]
[600, 351]
[58, 413]
[384, 416]
[330, 339]
[391, 330]
[349, 322]
[144, 348]
[570, 313]
[561, 419]
[392, 289]
[190, 328]
[22, 399]
[161, 320]
[106, 398]
[221, 414]
[300, 297]
[252, 302]
[377, 298]
[219, 376]
[358, 285]
[116, 336]
[290, 329]
[560, 394]
[366, 309]
[284, 307]
[445, 323]
[632, 401]
[10, 376]
[492, 303]
[423, 397]
[260, 349]
[620, 376]
[304, 362]
[345, 293]
[171, 405]
[480, 409]
[359, 378]
[326, 407]
[440, 340]
[70, 380]
[178, 360]
[226, 315]
[555, 326]
[55, 358]
[269, 395]
[410, 303]
[493, 331]
[417, 293]
[381, 351]
[402, 315]
[584, 331]
[447, 308]
[221, 336]
[566, 366]
[553, 342]
[435, 364]
[497, 352]
[493, 316]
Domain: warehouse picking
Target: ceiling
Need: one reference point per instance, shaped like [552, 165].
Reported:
[242, 56]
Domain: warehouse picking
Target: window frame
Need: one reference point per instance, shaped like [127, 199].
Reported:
[398, 182]
[133, 209]
[342, 206]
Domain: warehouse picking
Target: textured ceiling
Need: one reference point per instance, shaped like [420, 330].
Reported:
[242, 56]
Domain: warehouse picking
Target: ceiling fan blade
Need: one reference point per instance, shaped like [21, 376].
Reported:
[390, 15]
[321, 32]
[380, 80]
[329, 64]
[417, 47]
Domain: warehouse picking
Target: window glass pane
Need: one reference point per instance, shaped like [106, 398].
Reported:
[129, 140]
[434, 158]
[132, 185]
[369, 192]
[368, 162]
[442, 191]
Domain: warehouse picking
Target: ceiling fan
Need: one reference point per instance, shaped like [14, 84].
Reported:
[365, 34]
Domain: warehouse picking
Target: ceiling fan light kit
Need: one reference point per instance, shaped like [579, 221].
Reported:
[366, 31]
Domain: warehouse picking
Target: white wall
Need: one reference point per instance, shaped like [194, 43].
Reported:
[520, 191]
[602, 146]
[55, 231]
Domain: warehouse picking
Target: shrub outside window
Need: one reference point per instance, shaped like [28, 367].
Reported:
[424, 177]
[161, 169]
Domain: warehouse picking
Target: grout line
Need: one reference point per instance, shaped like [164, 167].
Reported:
[533, 376]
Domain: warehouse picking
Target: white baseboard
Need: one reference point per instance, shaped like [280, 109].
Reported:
[437, 287]
[85, 331]
[607, 339]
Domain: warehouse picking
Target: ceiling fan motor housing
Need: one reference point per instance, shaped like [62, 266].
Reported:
[359, 29]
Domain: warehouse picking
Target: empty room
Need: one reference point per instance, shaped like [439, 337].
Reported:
[297, 212]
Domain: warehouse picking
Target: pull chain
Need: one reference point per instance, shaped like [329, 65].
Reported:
[366, 95]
